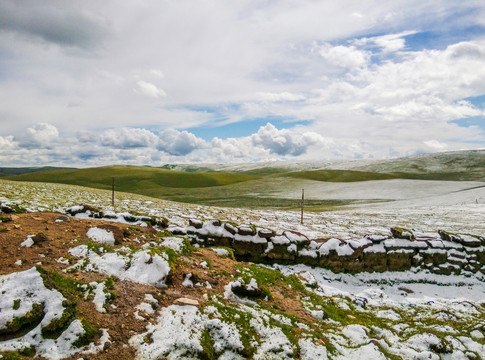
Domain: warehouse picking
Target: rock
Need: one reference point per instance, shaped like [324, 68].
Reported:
[62, 218]
[6, 209]
[182, 301]
[130, 218]
[78, 209]
[247, 290]
[246, 230]
[215, 222]
[265, 233]
[402, 233]
[196, 223]
[296, 238]
[39, 238]
[232, 229]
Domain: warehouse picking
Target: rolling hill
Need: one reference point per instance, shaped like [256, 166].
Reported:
[250, 186]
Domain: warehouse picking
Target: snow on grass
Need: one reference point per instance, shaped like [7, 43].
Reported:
[101, 236]
[21, 293]
[311, 351]
[99, 296]
[175, 243]
[460, 215]
[220, 251]
[176, 335]
[140, 266]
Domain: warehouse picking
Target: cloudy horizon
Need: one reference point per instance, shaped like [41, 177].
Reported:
[154, 82]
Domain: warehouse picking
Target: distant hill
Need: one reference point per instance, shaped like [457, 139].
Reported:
[254, 186]
[5, 171]
[456, 165]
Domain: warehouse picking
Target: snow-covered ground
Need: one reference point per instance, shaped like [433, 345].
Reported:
[408, 315]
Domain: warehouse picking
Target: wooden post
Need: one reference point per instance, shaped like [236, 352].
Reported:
[113, 193]
[302, 203]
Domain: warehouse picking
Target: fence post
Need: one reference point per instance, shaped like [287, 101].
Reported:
[113, 192]
[302, 203]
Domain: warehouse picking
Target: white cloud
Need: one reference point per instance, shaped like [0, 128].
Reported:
[176, 142]
[150, 90]
[225, 62]
[127, 138]
[6, 143]
[344, 56]
[285, 142]
[41, 135]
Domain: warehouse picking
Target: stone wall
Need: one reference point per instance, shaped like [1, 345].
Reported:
[402, 249]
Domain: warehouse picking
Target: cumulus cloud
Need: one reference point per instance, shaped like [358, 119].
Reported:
[41, 135]
[6, 143]
[176, 142]
[127, 138]
[150, 90]
[285, 142]
[344, 56]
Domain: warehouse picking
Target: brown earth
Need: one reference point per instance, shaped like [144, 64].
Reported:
[53, 241]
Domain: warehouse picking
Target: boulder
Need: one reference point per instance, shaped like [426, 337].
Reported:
[196, 223]
[231, 228]
[246, 230]
[402, 233]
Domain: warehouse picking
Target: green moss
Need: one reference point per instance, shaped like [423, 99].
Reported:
[71, 290]
[16, 304]
[3, 230]
[99, 248]
[27, 351]
[208, 352]
[23, 324]
[109, 282]
[11, 356]
[91, 333]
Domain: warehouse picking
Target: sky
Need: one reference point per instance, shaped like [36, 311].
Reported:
[150, 82]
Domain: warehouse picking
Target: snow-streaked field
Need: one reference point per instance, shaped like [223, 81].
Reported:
[428, 206]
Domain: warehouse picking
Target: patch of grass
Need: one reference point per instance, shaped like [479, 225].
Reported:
[208, 352]
[21, 325]
[338, 175]
[109, 282]
[99, 248]
[11, 356]
[91, 333]
[71, 290]
[241, 319]
[3, 230]
[16, 304]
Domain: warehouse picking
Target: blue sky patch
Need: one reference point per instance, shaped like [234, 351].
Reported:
[243, 128]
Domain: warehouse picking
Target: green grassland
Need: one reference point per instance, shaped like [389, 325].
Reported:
[256, 188]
